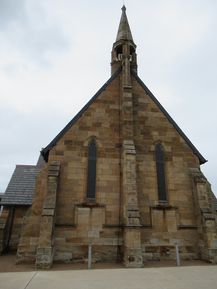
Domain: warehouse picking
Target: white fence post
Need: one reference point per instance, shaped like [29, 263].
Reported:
[177, 255]
[89, 255]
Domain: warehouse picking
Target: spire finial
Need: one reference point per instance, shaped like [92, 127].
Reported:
[124, 48]
[124, 32]
[124, 8]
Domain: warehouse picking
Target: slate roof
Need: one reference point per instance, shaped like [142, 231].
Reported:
[21, 187]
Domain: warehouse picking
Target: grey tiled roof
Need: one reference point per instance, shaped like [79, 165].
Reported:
[1, 195]
[21, 187]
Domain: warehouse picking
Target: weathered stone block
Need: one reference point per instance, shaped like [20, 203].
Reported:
[44, 257]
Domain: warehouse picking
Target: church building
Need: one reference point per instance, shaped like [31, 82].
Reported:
[121, 176]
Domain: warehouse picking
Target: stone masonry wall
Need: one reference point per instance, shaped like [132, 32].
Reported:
[77, 222]
[10, 227]
[174, 222]
[19, 213]
[26, 252]
[3, 228]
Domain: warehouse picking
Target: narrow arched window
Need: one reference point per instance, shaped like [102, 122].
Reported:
[91, 170]
[161, 182]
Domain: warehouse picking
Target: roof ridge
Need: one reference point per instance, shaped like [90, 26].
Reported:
[25, 165]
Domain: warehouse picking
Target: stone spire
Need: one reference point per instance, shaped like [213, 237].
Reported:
[124, 32]
[124, 47]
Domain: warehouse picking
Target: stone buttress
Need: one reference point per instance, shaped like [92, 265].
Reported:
[45, 250]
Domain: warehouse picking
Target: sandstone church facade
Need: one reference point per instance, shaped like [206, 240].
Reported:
[121, 175]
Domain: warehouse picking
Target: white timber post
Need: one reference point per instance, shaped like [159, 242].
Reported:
[89, 255]
[177, 255]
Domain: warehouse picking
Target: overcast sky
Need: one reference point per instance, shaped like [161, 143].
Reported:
[55, 55]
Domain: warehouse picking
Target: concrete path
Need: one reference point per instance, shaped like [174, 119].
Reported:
[197, 277]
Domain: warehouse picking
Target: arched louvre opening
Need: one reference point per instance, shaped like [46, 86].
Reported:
[160, 167]
[91, 170]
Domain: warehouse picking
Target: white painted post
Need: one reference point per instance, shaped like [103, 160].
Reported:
[177, 255]
[89, 255]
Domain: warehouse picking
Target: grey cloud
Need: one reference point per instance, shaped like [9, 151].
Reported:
[29, 33]
[12, 11]
[38, 42]
[22, 137]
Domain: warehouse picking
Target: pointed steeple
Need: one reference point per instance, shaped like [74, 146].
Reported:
[124, 32]
[124, 46]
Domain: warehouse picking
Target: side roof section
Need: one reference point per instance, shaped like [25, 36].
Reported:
[20, 189]
[45, 151]
[194, 149]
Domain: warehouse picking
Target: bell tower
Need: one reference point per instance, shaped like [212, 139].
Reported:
[124, 58]
[124, 46]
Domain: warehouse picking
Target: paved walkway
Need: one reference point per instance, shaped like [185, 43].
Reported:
[196, 277]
